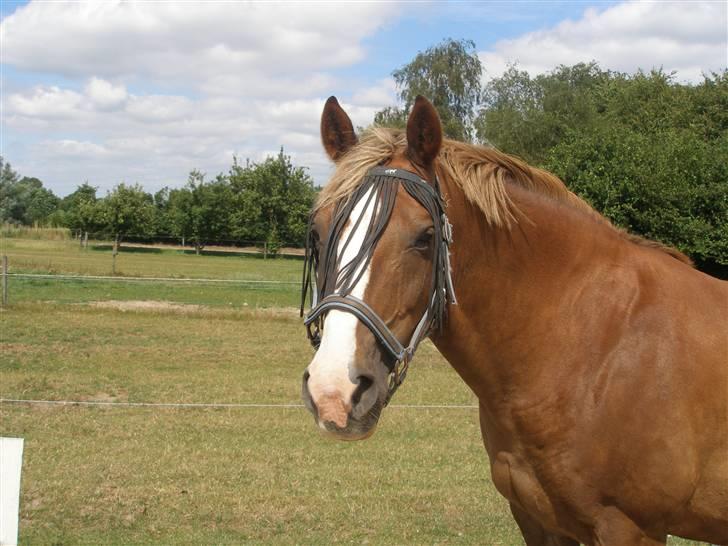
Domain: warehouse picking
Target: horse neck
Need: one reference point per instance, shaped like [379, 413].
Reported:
[511, 286]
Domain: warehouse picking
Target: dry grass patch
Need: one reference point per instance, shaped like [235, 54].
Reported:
[146, 305]
[156, 306]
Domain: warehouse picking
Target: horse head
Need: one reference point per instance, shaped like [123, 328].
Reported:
[378, 270]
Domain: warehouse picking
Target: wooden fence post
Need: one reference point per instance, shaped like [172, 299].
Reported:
[114, 252]
[5, 281]
[265, 250]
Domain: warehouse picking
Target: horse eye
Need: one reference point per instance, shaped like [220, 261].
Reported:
[424, 239]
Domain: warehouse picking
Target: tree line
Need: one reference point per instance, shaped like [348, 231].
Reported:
[256, 202]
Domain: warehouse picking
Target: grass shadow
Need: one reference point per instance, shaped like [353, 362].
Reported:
[242, 253]
[126, 249]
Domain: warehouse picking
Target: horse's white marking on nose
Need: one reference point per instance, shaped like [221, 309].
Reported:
[332, 369]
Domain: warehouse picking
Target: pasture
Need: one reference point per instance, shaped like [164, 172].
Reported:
[174, 475]
[66, 256]
[280, 288]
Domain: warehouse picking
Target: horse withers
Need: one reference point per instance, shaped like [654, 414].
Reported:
[600, 359]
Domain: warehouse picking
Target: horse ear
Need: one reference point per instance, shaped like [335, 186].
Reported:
[337, 132]
[424, 132]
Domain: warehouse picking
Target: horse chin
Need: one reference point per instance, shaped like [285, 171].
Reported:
[356, 429]
[347, 434]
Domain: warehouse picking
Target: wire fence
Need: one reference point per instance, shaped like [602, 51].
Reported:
[18, 287]
[206, 405]
[149, 279]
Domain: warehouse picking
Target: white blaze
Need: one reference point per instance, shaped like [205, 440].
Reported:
[332, 369]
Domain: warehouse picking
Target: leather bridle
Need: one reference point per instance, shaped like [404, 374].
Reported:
[334, 281]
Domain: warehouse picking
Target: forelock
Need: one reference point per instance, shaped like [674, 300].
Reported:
[376, 146]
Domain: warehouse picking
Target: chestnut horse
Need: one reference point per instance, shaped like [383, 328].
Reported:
[600, 359]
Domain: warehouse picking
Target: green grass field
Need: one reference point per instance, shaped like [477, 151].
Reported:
[66, 257]
[281, 288]
[150, 475]
[209, 294]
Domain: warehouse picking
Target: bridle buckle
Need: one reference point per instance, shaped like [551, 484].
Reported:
[446, 229]
[399, 372]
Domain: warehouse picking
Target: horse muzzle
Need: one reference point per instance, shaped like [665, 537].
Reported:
[347, 411]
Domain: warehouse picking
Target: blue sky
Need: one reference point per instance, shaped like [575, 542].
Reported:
[484, 23]
[146, 91]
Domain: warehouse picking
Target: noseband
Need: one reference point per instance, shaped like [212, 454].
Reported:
[334, 281]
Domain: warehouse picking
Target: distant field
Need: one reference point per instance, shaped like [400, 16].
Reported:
[215, 294]
[35, 232]
[42, 256]
[66, 258]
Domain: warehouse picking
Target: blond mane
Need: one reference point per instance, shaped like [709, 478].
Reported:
[481, 172]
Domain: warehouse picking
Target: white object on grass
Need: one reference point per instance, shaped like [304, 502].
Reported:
[11, 462]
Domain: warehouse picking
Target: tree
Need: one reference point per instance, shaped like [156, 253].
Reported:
[39, 202]
[200, 212]
[24, 200]
[126, 210]
[670, 187]
[80, 211]
[528, 116]
[449, 74]
[272, 200]
[391, 116]
[8, 180]
[162, 219]
[646, 151]
[179, 213]
[300, 195]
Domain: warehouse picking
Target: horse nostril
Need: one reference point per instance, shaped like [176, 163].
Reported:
[305, 394]
[363, 383]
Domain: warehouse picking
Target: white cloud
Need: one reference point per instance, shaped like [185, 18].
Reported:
[160, 108]
[104, 94]
[380, 95]
[67, 148]
[688, 37]
[157, 139]
[244, 49]
[46, 103]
